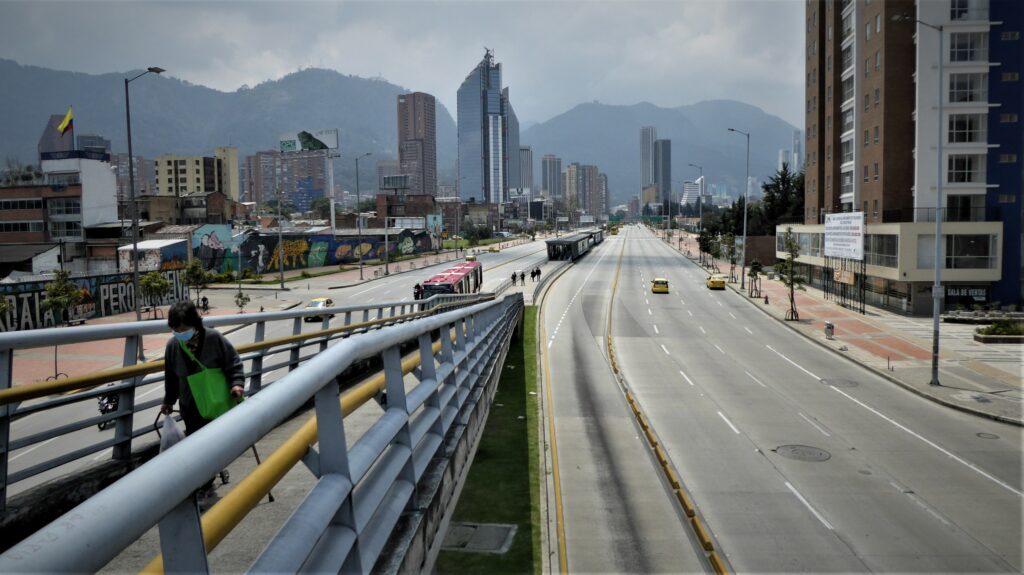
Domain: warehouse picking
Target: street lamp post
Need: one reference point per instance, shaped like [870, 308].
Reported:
[135, 204]
[359, 217]
[280, 238]
[937, 286]
[700, 198]
[746, 187]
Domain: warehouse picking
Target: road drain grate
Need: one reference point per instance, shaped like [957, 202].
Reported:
[803, 453]
[479, 537]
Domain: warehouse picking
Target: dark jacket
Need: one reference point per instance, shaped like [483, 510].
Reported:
[214, 351]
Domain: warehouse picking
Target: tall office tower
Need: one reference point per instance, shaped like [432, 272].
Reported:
[259, 175]
[417, 141]
[860, 95]
[301, 177]
[797, 161]
[573, 182]
[601, 200]
[551, 176]
[92, 143]
[784, 158]
[526, 170]
[483, 116]
[512, 174]
[647, 136]
[663, 169]
[590, 190]
[691, 193]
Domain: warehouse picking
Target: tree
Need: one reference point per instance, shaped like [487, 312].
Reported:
[783, 198]
[62, 295]
[730, 252]
[154, 286]
[196, 278]
[321, 208]
[242, 299]
[787, 272]
[270, 208]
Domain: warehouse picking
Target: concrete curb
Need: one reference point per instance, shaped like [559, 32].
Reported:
[873, 370]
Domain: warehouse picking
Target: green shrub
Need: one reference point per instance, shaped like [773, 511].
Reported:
[306, 274]
[1003, 328]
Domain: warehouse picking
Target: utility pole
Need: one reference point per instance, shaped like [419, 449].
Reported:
[359, 218]
[280, 238]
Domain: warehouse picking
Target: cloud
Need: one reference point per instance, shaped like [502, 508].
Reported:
[554, 54]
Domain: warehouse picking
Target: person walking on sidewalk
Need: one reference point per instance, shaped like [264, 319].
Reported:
[513, 279]
[192, 350]
[417, 291]
[522, 278]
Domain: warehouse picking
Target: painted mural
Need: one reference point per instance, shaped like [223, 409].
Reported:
[101, 296]
[260, 252]
[213, 244]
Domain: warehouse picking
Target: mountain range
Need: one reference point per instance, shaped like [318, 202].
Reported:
[172, 116]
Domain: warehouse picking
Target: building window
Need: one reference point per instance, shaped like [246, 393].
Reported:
[878, 97]
[958, 9]
[876, 134]
[867, 31]
[1011, 76]
[971, 87]
[846, 149]
[828, 152]
[847, 89]
[1008, 118]
[974, 251]
[966, 128]
[65, 229]
[867, 66]
[968, 47]
[25, 204]
[17, 227]
[1010, 35]
[867, 102]
[847, 120]
[1007, 158]
[867, 138]
[964, 168]
[846, 58]
[865, 172]
[878, 23]
[878, 60]
[876, 171]
[64, 206]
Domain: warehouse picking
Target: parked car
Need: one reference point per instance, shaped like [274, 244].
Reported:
[318, 303]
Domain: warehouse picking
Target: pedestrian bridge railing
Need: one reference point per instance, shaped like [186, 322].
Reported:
[361, 492]
[64, 404]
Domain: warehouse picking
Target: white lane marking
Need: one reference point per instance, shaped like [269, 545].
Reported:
[726, 420]
[941, 449]
[656, 329]
[808, 505]
[103, 454]
[732, 316]
[702, 329]
[665, 349]
[921, 504]
[816, 426]
[369, 300]
[31, 449]
[649, 311]
[689, 312]
[748, 330]
[154, 390]
[550, 342]
[647, 302]
[719, 303]
[793, 362]
[682, 302]
[755, 379]
[686, 378]
[718, 348]
[365, 290]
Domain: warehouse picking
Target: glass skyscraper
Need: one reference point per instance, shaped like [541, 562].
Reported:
[488, 135]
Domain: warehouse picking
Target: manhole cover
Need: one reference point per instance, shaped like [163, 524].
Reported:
[479, 537]
[988, 436]
[840, 382]
[803, 453]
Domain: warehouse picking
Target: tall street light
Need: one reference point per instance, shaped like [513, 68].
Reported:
[700, 201]
[135, 204]
[746, 186]
[359, 217]
[937, 287]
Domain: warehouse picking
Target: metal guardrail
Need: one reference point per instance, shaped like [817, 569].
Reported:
[260, 357]
[360, 494]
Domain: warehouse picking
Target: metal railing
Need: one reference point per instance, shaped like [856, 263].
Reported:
[260, 357]
[361, 492]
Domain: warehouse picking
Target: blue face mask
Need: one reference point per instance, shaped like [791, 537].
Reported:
[184, 336]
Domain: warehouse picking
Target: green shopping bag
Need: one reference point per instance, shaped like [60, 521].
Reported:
[209, 389]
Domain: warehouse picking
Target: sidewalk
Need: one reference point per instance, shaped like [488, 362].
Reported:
[31, 365]
[984, 379]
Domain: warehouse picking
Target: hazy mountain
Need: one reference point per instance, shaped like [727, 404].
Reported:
[173, 116]
[609, 137]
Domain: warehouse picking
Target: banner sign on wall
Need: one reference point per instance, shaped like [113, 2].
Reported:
[301, 141]
[844, 235]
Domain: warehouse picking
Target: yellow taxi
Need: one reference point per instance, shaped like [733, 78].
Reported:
[716, 281]
[471, 258]
[318, 303]
[659, 285]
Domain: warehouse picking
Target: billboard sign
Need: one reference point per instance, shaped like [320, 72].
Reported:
[409, 223]
[844, 235]
[302, 141]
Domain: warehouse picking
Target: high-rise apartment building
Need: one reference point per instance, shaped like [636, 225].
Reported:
[486, 123]
[417, 141]
[663, 169]
[300, 177]
[647, 137]
[182, 175]
[526, 171]
[872, 131]
[551, 176]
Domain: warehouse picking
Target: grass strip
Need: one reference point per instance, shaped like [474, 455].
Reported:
[503, 484]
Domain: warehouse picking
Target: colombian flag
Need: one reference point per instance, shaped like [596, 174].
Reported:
[68, 123]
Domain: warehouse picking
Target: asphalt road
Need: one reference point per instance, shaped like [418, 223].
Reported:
[394, 288]
[800, 460]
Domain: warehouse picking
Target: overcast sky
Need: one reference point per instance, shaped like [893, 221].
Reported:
[554, 55]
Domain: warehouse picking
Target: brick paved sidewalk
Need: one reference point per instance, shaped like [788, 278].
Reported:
[972, 380]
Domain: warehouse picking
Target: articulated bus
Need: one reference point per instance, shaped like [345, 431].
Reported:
[463, 278]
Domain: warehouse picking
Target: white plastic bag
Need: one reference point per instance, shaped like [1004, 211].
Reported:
[170, 434]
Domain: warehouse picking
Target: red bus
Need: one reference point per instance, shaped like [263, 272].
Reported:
[463, 278]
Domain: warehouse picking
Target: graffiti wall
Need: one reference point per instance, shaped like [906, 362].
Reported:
[215, 247]
[101, 296]
[260, 253]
